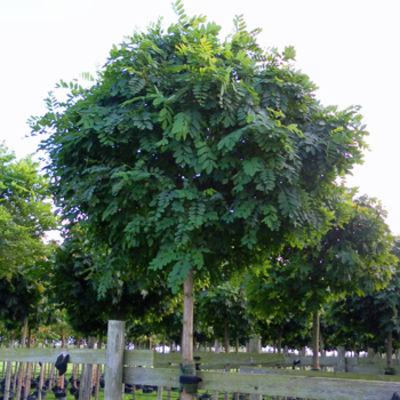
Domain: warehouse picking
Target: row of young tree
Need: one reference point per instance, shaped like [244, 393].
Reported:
[274, 302]
[195, 169]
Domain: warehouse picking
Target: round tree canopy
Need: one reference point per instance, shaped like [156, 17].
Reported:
[189, 151]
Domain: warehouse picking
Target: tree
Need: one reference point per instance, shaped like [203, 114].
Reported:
[354, 257]
[25, 214]
[19, 299]
[223, 309]
[196, 156]
[369, 321]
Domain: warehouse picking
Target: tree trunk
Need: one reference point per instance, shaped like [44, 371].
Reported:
[226, 337]
[321, 344]
[227, 350]
[187, 332]
[279, 343]
[29, 366]
[315, 341]
[20, 383]
[7, 383]
[389, 350]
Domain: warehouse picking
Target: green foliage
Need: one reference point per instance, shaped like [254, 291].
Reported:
[74, 288]
[193, 152]
[25, 214]
[19, 299]
[221, 314]
[364, 321]
[354, 257]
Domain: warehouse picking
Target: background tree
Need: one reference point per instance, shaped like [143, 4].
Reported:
[195, 155]
[25, 214]
[75, 291]
[276, 299]
[222, 308]
[167, 320]
[370, 321]
[19, 300]
[353, 257]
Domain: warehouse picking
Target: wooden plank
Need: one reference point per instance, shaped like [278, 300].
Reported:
[143, 358]
[303, 387]
[319, 374]
[221, 359]
[77, 356]
[367, 365]
[272, 385]
[167, 377]
[341, 360]
[306, 360]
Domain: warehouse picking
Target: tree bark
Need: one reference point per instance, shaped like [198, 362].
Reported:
[227, 339]
[315, 341]
[29, 366]
[389, 349]
[7, 383]
[227, 350]
[279, 343]
[20, 383]
[321, 344]
[187, 332]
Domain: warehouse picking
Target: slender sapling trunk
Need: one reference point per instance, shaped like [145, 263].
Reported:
[389, 350]
[315, 341]
[187, 332]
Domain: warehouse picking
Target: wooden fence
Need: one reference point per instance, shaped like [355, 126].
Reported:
[145, 367]
[371, 365]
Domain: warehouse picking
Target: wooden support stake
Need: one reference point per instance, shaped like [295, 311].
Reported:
[7, 383]
[114, 360]
[255, 347]
[159, 393]
[20, 373]
[341, 360]
[87, 381]
[41, 380]
[82, 380]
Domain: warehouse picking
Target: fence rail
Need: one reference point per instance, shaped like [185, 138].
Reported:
[273, 385]
[161, 370]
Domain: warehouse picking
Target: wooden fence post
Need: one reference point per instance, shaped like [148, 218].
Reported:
[341, 360]
[255, 347]
[86, 381]
[114, 360]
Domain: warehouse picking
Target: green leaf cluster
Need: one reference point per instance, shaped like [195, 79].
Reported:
[354, 257]
[74, 287]
[25, 213]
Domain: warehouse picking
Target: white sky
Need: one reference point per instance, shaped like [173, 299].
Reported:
[349, 48]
